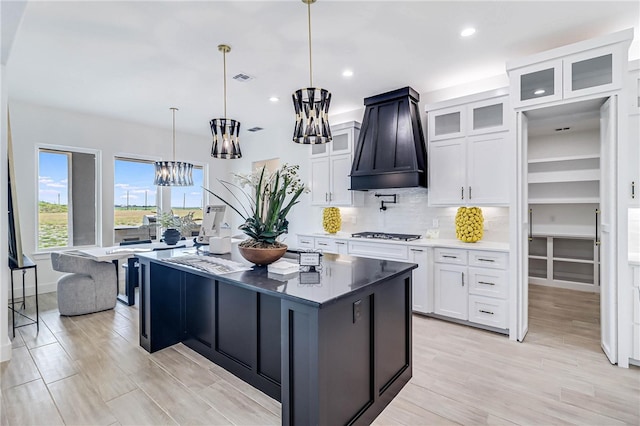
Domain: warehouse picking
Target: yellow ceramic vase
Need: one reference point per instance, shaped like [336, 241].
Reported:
[469, 224]
[331, 221]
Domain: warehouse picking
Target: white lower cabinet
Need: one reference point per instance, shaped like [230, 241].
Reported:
[402, 253]
[472, 285]
[420, 278]
[451, 294]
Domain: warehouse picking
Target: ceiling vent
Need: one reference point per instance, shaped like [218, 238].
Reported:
[242, 77]
[255, 129]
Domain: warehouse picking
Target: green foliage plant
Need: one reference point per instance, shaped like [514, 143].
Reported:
[183, 224]
[265, 207]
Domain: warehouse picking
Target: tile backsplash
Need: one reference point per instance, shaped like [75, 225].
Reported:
[411, 215]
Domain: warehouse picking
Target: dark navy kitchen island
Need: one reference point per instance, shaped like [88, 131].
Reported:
[332, 347]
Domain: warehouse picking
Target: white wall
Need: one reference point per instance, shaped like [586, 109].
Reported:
[34, 124]
[5, 343]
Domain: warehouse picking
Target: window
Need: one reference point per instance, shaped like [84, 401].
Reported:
[137, 200]
[67, 200]
[186, 199]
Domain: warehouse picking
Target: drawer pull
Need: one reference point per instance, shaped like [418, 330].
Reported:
[486, 282]
[485, 312]
[416, 250]
[485, 260]
[449, 257]
[340, 243]
[305, 242]
[323, 244]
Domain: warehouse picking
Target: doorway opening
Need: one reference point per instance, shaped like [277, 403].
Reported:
[569, 203]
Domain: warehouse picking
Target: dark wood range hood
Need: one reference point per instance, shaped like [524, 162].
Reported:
[391, 151]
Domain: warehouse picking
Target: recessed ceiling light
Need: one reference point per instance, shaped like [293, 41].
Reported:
[539, 92]
[347, 73]
[467, 32]
[274, 99]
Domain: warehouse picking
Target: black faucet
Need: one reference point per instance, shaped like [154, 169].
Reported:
[382, 206]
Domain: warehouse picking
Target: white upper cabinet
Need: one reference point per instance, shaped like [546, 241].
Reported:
[447, 123]
[331, 167]
[470, 151]
[582, 69]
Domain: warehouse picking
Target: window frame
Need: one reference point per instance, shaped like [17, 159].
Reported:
[68, 149]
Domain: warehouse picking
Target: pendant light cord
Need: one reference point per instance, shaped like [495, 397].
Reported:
[310, 64]
[224, 65]
[173, 110]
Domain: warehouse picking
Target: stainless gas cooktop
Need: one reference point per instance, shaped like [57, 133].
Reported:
[386, 236]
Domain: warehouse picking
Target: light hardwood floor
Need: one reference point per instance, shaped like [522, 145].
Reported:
[90, 370]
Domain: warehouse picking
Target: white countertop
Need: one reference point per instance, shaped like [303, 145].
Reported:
[422, 242]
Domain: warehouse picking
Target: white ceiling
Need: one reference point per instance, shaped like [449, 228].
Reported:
[134, 60]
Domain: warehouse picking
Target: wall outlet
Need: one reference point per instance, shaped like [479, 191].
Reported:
[436, 223]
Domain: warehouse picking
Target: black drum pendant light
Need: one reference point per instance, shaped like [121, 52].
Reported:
[173, 173]
[225, 131]
[311, 105]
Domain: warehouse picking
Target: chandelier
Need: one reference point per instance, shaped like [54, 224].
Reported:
[311, 105]
[225, 131]
[173, 173]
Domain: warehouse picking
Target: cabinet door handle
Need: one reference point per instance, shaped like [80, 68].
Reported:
[469, 192]
[485, 260]
[326, 196]
[485, 312]
[633, 190]
[462, 192]
[462, 276]
[530, 224]
[486, 283]
[330, 196]
[597, 240]
[449, 257]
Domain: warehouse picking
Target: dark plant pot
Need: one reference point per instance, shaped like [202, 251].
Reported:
[262, 256]
[171, 236]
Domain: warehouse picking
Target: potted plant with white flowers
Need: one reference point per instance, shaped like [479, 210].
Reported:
[264, 209]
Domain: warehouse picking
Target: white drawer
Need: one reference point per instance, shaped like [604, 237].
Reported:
[454, 256]
[488, 282]
[306, 242]
[488, 259]
[326, 245]
[488, 311]
[378, 250]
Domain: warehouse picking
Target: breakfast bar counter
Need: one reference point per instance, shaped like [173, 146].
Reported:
[333, 346]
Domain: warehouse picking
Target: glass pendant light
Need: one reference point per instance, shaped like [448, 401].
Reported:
[311, 105]
[225, 131]
[173, 173]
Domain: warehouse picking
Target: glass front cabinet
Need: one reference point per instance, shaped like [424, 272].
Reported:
[569, 72]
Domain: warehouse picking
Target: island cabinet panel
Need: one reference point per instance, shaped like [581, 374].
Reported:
[162, 326]
[236, 318]
[345, 362]
[269, 338]
[199, 302]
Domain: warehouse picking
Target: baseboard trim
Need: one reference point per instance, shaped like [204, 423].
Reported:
[5, 351]
[30, 289]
